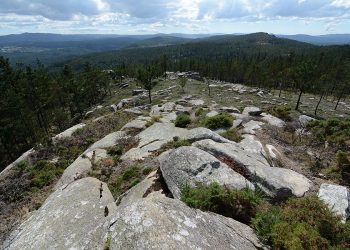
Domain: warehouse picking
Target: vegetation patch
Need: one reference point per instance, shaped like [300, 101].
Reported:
[240, 205]
[301, 223]
[282, 112]
[232, 135]
[331, 130]
[182, 120]
[223, 120]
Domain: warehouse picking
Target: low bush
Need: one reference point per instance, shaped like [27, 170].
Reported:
[223, 120]
[182, 120]
[301, 223]
[332, 130]
[282, 112]
[232, 135]
[343, 165]
[238, 204]
[43, 173]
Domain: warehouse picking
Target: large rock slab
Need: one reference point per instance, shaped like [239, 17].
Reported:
[251, 127]
[190, 165]
[278, 183]
[68, 133]
[156, 136]
[337, 198]
[164, 223]
[73, 218]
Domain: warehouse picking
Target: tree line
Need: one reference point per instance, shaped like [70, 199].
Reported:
[36, 103]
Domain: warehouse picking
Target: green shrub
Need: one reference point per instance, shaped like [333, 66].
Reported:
[332, 130]
[199, 112]
[301, 223]
[115, 150]
[232, 135]
[219, 121]
[131, 173]
[282, 112]
[43, 173]
[176, 143]
[182, 120]
[147, 170]
[343, 165]
[238, 204]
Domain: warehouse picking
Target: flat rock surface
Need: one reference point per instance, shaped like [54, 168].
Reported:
[272, 120]
[190, 165]
[73, 218]
[68, 132]
[163, 223]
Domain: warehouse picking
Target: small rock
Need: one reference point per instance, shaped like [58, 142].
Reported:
[253, 111]
[304, 120]
[337, 198]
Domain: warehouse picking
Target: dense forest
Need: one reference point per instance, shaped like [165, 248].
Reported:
[37, 102]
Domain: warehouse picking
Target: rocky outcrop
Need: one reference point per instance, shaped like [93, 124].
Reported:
[278, 183]
[156, 136]
[251, 127]
[83, 164]
[162, 223]
[73, 218]
[337, 198]
[68, 132]
[190, 165]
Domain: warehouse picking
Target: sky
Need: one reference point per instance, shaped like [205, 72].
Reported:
[312, 17]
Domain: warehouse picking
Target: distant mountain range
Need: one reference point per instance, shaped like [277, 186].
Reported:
[54, 48]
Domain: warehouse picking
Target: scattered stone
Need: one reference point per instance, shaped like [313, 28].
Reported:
[237, 123]
[337, 198]
[304, 120]
[212, 113]
[138, 92]
[190, 165]
[251, 126]
[229, 110]
[114, 108]
[73, 218]
[135, 111]
[196, 102]
[253, 111]
[68, 133]
[272, 120]
[279, 183]
[164, 223]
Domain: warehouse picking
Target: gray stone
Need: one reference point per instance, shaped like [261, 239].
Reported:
[237, 123]
[68, 133]
[198, 134]
[337, 198]
[181, 109]
[109, 140]
[74, 218]
[168, 117]
[138, 91]
[190, 165]
[114, 107]
[212, 113]
[196, 102]
[304, 120]
[135, 111]
[278, 183]
[163, 223]
[134, 125]
[251, 126]
[254, 111]
[229, 110]
[272, 120]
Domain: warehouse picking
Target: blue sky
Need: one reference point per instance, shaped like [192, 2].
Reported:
[174, 16]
